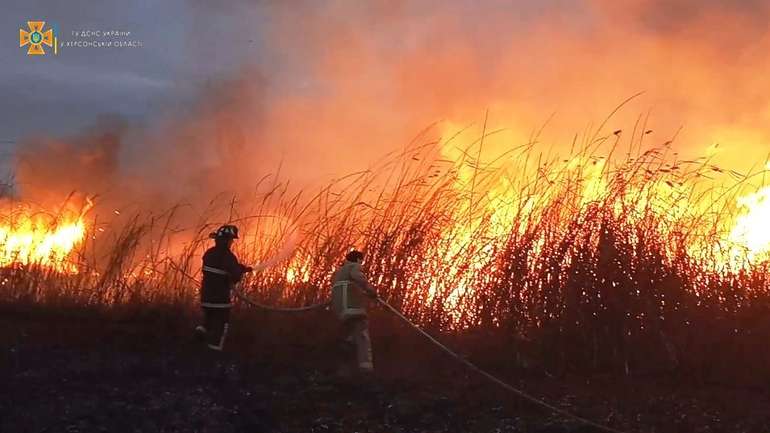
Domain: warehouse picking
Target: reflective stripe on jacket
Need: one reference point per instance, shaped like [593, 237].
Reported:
[348, 284]
[221, 271]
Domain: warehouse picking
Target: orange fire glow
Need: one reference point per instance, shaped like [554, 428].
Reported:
[501, 205]
[751, 232]
[29, 237]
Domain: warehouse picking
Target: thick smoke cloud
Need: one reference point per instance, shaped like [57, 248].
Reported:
[338, 83]
[50, 169]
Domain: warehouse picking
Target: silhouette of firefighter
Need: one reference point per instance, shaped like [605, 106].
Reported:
[349, 290]
[221, 271]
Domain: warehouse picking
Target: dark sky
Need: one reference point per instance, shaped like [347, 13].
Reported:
[183, 45]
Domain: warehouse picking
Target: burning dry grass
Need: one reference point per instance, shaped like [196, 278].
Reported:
[589, 261]
[30, 235]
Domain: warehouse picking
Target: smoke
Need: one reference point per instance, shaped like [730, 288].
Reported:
[337, 84]
[367, 77]
[50, 169]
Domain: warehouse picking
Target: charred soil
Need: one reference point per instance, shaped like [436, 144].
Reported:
[142, 371]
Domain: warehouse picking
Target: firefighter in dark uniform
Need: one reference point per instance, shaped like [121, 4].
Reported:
[221, 271]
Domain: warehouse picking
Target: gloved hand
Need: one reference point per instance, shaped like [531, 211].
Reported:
[248, 269]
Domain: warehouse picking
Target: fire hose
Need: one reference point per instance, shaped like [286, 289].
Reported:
[445, 349]
[494, 379]
[254, 303]
[239, 293]
[449, 352]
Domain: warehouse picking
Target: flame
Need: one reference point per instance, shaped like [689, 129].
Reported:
[493, 201]
[32, 237]
[752, 227]
[298, 270]
[582, 180]
[296, 273]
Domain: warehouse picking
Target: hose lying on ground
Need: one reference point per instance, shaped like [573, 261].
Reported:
[494, 379]
[441, 346]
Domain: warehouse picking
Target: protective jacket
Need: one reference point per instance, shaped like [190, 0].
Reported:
[349, 286]
[221, 270]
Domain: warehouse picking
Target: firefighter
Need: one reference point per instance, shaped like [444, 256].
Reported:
[221, 271]
[349, 286]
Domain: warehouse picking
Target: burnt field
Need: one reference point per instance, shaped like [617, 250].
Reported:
[82, 370]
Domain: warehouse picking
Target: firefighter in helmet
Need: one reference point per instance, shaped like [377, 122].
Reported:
[221, 271]
[349, 288]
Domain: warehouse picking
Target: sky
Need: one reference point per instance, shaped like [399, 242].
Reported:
[186, 43]
[219, 95]
[63, 93]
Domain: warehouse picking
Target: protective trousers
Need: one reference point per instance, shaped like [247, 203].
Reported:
[355, 332]
[216, 321]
